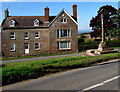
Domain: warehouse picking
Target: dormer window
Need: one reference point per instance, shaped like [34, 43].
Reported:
[64, 20]
[36, 22]
[12, 23]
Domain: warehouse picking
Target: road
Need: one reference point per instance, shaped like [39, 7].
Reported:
[99, 77]
[38, 58]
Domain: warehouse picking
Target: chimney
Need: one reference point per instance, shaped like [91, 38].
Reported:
[6, 13]
[74, 11]
[46, 11]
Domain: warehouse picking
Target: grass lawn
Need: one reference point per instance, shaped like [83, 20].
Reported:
[25, 57]
[18, 71]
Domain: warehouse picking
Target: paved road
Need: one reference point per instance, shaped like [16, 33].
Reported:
[37, 58]
[99, 77]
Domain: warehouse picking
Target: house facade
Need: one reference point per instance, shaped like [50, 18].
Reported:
[37, 35]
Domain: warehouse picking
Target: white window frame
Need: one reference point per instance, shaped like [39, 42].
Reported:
[68, 45]
[36, 22]
[59, 35]
[38, 46]
[27, 36]
[64, 20]
[14, 47]
[12, 23]
[12, 35]
[38, 35]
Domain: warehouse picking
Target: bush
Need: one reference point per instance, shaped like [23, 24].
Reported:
[23, 70]
[88, 45]
[94, 44]
[114, 43]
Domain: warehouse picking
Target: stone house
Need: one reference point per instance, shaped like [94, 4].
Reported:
[36, 35]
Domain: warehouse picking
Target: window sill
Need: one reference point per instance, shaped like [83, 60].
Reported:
[13, 39]
[26, 39]
[37, 37]
[12, 50]
[64, 49]
[63, 37]
[37, 49]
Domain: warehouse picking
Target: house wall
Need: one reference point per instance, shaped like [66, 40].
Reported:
[56, 25]
[19, 41]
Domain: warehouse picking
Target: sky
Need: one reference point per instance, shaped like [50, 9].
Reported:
[85, 10]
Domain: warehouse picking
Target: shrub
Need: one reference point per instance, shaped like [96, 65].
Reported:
[23, 71]
[94, 44]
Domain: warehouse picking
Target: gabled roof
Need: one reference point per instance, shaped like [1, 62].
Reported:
[63, 10]
[25, 21]
[28, 21]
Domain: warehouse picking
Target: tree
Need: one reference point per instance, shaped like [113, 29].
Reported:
[109, 24]
[116, 32]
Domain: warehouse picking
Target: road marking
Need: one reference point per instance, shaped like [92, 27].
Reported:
[100, 84]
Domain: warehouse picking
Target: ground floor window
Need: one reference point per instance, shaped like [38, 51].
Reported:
[12, 47]
[37, 46]
[64, 45]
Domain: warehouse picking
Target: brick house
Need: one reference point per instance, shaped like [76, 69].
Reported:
[36, 35]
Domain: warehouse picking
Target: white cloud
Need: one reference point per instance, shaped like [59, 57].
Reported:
[7, 0]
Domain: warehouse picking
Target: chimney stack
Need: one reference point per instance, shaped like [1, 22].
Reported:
[75, 11]
[6, 13]
[46, 11]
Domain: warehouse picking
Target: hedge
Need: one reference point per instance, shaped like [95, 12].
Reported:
[94, 44]
[22, 70]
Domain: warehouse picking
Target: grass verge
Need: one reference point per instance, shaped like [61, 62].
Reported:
[25, 57]
[19, 71]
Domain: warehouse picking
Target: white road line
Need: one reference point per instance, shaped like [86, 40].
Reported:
[102, 83]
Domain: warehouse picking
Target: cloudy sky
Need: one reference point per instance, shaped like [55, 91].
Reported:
[86, 10]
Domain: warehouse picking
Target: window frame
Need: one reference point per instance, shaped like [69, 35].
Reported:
[68, 43]
[59, 33]
[27, 35]
[64, 20]
[12, 35]
[36, 22]
[38, 46]
[14, 47]
[37, 34]
[12, 23]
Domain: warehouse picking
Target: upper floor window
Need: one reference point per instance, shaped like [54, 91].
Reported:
[36, 22]
[64, 20]
[37, 46]
[26, 35]
[12, 35]
[37, 34]
[12, 47]
[63, 33]
[12, 23]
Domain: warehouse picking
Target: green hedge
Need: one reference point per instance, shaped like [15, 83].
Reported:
[34, 69]
[94, 44]
[114, 43]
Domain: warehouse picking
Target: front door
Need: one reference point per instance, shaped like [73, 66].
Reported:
[26, 48]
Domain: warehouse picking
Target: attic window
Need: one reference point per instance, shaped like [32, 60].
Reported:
[36, 22]
[12, 23]
[63, 20]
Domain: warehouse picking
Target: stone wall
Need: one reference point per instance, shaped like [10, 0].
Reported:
[53, 34]
[19, 41]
